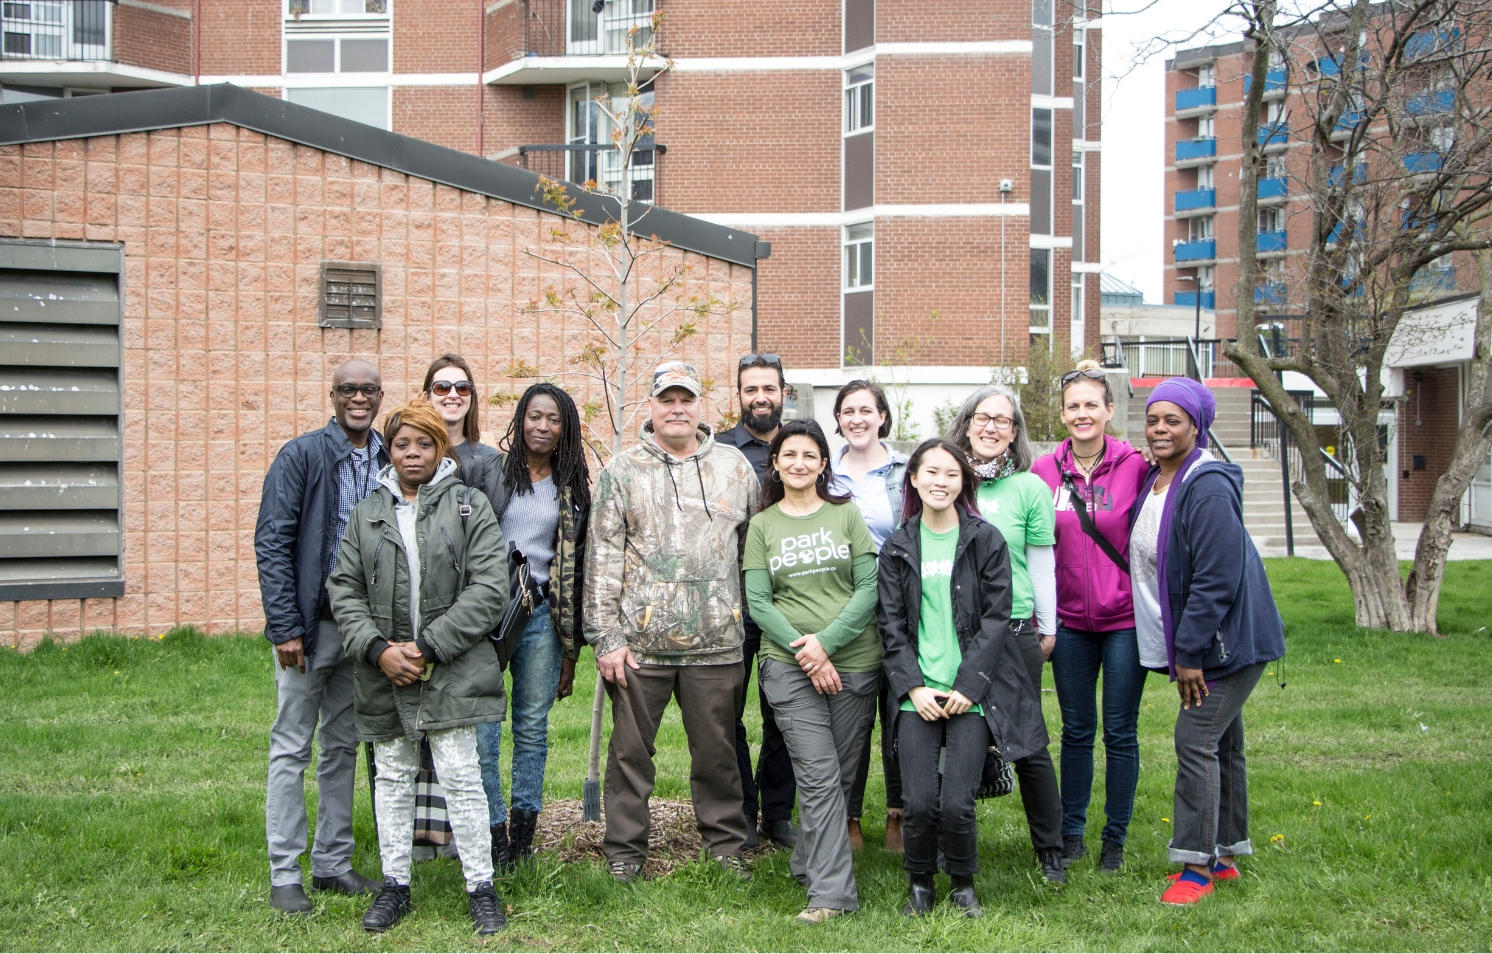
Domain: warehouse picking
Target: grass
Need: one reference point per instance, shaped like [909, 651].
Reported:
[131, 816]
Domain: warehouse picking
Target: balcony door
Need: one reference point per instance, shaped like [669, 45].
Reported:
[592, 156]
[593, 33]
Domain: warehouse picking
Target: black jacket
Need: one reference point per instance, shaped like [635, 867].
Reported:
[992, 673]
[296, 512]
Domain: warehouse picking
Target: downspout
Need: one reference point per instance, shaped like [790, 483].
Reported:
[481, 63]
[196, 42]
[763, 251]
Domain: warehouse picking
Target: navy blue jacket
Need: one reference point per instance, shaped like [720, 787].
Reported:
[296, 513]
[1224, 611]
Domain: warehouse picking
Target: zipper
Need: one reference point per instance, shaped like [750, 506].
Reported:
[451, 547]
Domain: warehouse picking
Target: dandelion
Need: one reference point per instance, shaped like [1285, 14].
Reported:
[1316, 803]
[116, 672]
[1367, 818]
[1339, 660]
[1276, 839]
[1166, 820]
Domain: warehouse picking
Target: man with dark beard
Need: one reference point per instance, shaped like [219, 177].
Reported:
[761, 387]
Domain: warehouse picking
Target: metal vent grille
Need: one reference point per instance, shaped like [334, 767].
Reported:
[351, 295]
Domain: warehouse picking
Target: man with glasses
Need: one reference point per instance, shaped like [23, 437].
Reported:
[309, 493]
[762, 390]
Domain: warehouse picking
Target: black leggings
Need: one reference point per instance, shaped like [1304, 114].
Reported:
[949, 807]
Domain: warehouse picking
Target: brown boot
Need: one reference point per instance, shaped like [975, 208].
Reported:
[893, 830]
[857, 838]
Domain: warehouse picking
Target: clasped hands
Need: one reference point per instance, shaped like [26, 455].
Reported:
[815, 662]
[402, 663]
[925, 701]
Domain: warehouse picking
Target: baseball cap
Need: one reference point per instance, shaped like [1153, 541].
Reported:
[676, 374]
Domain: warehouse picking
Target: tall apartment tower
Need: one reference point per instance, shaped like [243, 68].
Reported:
[925, 171]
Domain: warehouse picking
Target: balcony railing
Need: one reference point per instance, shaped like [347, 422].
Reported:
[77, 30]
[1196, 199]
[1273, 134]
[1273, 188]
[574, 28]
[1431, 101]
[1189, 299]
[1195, 149]
[1269, 293]
[1193, 251]
[1274, 82]
[1171, 357]
[1196, 98]
[1268, 432]
[1430, 41]
[581, 163]
[1338, 175]
[1273, 241]
[1428, 280]
[1419, 163]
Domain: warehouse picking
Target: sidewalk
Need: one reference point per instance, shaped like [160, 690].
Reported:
[1464, 546]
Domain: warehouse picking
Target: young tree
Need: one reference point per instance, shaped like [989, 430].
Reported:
[1392, 101]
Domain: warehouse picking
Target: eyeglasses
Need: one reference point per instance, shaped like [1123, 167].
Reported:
[1093, 374]
[1001, 422]
[761, 361]
[366, 390]
[442, 388]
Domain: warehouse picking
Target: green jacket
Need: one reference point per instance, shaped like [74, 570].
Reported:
[567, 572]
[463, 594]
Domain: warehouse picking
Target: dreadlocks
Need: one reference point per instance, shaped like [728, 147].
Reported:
[570, 469]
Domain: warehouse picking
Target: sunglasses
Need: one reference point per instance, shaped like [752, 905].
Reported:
[442, 388]
[760, 361]
[366, 390]
[1093, 374]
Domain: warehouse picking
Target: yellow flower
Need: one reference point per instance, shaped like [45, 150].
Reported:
[1338, 660]
[116, 672]
[1316, 803]
[1276, 839]
[1367, 818]
[1166, 820]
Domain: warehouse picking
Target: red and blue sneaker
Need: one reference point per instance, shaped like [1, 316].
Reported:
[1188, 888]
[1219, 873]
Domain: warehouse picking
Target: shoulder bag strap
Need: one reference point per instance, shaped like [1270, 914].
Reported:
[1091, 528]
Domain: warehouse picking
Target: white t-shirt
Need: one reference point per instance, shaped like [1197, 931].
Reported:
[1144, 581]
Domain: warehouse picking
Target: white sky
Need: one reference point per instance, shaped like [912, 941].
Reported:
[1134, 139]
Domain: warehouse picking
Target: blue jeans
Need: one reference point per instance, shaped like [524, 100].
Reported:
[535, 669]
[1076, 663]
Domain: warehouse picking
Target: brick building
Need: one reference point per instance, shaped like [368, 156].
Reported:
[903, 158]
[181, 270]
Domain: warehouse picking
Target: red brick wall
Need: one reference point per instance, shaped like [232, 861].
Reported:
[223, 231]
[1433, 401]
[751, 28]
[513, 121]
[505, 34]
[798, 296]
[436, 37]
[952, 21]
[157, 41]
[444, 115]
[241, 36]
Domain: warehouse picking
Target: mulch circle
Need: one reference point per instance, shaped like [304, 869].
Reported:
[673, 840]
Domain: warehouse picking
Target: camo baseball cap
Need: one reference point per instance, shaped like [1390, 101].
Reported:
[676, 374]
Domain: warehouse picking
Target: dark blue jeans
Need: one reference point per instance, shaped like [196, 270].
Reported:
[1076, 664]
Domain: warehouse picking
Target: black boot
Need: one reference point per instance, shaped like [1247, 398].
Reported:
[502, 861]
[920, 895]
[962, 896]
[521, 836]
[486, 909]
[1053, 866]
[388, 908]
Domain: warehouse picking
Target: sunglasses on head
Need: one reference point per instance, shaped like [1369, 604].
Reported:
[1093, 374]
[760, 361]
[367, 390]
[442, 388]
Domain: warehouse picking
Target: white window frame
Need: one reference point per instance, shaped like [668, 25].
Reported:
[336, 40]
[1205, 177]
[1079, 177]
[1046, 306]
[1079, 53]
[1199, 229]
[847, 243]
[315, 17]
[854, 96]
[1206, 77]
[388, 118]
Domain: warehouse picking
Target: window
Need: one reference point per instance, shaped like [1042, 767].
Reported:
[1041, 137]
[1041, 47]
[603, 28]
[1199, 229]
[1204, 177]
[1041, 291]
[1274, 167]
[361, 104]
[1274, 111]
[1079, 49]
[1205, 128]
[351, 295]
[322, 56]
[859, 99]
[859, 256]
[589, 126]
[1077, 177]
[1206, 77]
[1272, 271]
[1041, 172]
[1204, 276]
[1272, 219]
[1078, 316]
[299, 8]
[57, 29]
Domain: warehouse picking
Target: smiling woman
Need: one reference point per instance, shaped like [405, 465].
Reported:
[452, 388]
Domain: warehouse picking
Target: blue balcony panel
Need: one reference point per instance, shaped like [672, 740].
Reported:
[1269, 293]
[1430, 41]
[1422, 162]
[1196, 98]
[1191, 251]
[1328, 66]
[1338, 175]
[1349, 120]
[1270, 242]
[1196, 199]
[1433, 101]
[1270, 188]
[1273, 134]
[1433, 280]
[1190, 299]
[1274, 82]
[1195, 149]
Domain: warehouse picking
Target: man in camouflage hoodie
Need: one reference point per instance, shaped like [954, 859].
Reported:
[663, 616]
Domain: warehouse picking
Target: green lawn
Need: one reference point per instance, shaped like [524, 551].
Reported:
[131, 816]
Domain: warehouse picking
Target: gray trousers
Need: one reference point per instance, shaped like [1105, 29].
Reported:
[825, 735]
[1212, 786]
[322, 693]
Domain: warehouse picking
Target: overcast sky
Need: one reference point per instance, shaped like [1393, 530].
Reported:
[1134, 136]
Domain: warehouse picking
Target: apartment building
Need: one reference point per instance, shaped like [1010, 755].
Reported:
[924, 173]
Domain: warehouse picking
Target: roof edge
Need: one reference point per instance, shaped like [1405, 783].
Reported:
[149, 110]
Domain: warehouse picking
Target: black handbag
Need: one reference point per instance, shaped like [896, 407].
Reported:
[998, 777]
[525, 599]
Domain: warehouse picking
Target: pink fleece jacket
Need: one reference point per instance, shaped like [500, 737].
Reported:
[1093, 593]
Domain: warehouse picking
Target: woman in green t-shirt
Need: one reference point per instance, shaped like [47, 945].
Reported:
[810, 569]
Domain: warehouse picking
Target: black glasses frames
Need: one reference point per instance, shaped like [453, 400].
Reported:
[1095, 374]
[367, 390]
[442, 388]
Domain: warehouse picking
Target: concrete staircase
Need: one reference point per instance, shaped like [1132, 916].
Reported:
[1263, 485]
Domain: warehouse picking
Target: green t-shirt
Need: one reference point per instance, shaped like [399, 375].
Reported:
[938, 654]
[1020, 507]
[810, 562]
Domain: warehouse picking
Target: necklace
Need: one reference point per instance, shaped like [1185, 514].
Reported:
[1089, 468]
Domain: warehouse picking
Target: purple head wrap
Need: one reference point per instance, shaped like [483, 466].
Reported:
[1193, 398]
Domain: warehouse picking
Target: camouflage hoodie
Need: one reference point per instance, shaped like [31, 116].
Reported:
[663, 562]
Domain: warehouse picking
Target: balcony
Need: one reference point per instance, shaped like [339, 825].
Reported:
[1191, 150]
[1267, 242]
[1430, 280]
[1433, 40]
[60, 44]
[565, 41]
[1274, 82]
[1203, 97]
[1273, 134]
[580, 163]
[1422, 163]
[1196, 199]
[1190, 299]
[1273, 188]
[1349, 120]
[1431, 102]
[1337, 177]
[1269, 293]
[1196, 251]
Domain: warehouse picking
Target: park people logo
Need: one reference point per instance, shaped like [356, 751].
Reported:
[808, 550]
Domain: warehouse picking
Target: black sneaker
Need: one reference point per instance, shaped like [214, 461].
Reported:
[625, 873]
[1073, 848]
[388, 908]
[734, 865]
[1053, 868]
[486, 910]
[780, 832]
[1112, 857]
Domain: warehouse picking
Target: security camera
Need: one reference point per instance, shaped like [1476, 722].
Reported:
[598, 6]
[1007, 185]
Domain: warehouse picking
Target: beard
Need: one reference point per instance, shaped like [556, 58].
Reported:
[764, 420]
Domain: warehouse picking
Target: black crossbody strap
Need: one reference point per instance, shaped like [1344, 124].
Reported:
[1091, 528]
